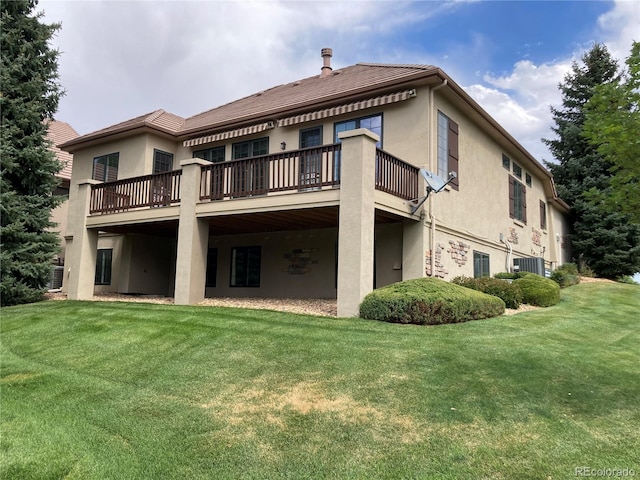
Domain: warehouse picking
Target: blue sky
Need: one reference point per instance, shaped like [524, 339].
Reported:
[123, 59]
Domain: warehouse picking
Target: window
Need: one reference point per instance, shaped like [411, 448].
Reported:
[105, 167]
[162, 161]
[310, 161]
[448, 149]
[543, 215]
[528, 179]
[517, 200]
[250, 178]
[212, 267]
[103, 266]
[506, 162]
[311, 137]
[213, 155]
[480, 265]
[373, 123]
[245, 266]
[517, 170]
[250, 148]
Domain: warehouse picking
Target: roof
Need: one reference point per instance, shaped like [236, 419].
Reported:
[58, 133]
[158, 120]
[294, 96]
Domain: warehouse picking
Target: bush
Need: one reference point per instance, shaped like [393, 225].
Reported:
[428, 301]
[509, 275]
[510, 294]
[537, 290]
[566, 275]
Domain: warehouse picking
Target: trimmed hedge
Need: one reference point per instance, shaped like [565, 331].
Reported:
[510, 294]
[566, 275]
[537, 290]
[509, 275]
[428, 301]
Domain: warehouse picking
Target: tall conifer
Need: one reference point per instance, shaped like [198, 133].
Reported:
[602, 240]
[29, 95]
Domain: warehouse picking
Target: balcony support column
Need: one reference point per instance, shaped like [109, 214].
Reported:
[82, 247]
[357, 219]
[193, 238]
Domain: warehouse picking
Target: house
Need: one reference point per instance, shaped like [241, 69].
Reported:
[59, 132]
[309, 189]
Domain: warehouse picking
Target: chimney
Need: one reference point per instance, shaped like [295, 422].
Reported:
[326, 69]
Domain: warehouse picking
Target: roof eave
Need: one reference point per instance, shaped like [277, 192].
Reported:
[98, 138]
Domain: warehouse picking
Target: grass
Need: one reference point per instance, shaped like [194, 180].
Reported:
[135, 391]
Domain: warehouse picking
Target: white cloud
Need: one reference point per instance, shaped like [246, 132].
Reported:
[521, 99]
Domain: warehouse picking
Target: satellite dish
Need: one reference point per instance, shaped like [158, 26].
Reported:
[435, 184]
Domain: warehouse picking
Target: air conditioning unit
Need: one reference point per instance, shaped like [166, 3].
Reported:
[529, 264]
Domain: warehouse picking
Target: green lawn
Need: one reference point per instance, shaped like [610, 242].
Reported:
[136, 391]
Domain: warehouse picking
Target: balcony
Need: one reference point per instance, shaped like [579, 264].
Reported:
[304, 170]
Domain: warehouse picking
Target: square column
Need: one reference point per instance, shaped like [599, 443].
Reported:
[193, 238]
[357, 219]
[82, 246]
[415, 244]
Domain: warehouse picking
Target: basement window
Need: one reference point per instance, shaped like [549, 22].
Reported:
[245, 266]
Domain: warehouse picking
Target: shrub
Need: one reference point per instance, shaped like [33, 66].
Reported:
[510, 294]
[537, 290]
[428, 301]
[509, 275]
[566, 275]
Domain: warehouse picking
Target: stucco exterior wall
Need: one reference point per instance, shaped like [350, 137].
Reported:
[293, 264]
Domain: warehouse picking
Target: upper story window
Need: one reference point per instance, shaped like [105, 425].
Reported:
[517, 200]
[517, 170]
[506, 162]
[528, 180]
[311, 137]
[105, 167]
[373, 123]
[213, 155]
[162, 161]
[250, 148]
[448, 149]
[543, 215]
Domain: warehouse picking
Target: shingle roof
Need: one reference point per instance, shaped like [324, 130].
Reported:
[58, 133]
[339, 84]
[284, 99]
[158, 120]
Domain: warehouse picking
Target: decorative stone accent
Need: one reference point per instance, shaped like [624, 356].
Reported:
[458, 251]
[536, 237]
[299, 261]
[513, 235]
[439, 267]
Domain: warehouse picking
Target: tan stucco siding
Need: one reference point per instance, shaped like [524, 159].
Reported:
[293, 264]
[480, 208]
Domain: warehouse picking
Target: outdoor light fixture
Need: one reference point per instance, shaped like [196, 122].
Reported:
[283, 145]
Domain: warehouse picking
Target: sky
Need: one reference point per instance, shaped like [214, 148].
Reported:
[123, 59]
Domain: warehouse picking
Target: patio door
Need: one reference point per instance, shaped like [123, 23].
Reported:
[310, 160]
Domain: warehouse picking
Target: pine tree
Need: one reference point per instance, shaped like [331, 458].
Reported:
[613, 124]
[29, 95]
[605, 241]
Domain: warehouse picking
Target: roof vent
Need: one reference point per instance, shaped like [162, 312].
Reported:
[326, 54]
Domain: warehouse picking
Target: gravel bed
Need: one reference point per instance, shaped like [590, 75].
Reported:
[310, 306]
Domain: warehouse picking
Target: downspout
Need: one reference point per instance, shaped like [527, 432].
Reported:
[433, 166]
[509, 252]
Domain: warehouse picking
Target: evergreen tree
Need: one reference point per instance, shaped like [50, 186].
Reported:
[613, 124]
[29, 95]
[605, 241]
